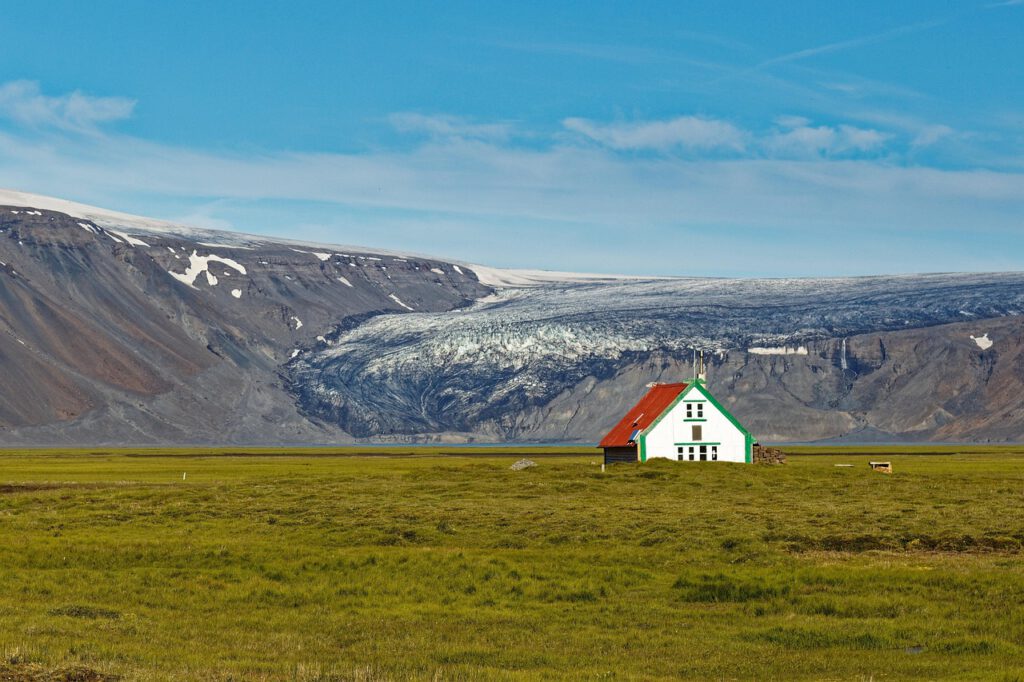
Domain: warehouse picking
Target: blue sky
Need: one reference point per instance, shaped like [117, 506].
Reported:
[727, 138]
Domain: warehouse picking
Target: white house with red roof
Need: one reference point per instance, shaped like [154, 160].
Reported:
[680, 421]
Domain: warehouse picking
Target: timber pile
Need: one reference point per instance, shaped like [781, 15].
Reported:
[766, 455]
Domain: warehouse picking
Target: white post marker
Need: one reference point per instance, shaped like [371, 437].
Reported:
[183, 474]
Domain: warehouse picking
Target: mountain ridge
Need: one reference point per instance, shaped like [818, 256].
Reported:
[129, 333]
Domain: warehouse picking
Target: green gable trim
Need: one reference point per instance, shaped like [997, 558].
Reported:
[699, 386]
[721, 408]
[695, 420]
[700, 442]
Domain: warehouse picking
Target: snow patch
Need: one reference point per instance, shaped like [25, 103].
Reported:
[132, 241]
[237, 293]
[344, 281]
[214, 245]
[437, 271]
[778, 350]
[983, 341]
[198, 265]
[297, 321]
[521, 279]
[457, 269]
[398, 301]
[87, 227]
[319, 254]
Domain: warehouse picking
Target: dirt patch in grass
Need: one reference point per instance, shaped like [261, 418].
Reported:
[10, 488]
[856, 544]
[35, 673]
[82, 611]
[34, 487]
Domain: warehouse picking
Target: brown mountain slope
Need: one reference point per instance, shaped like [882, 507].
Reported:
[101, 340]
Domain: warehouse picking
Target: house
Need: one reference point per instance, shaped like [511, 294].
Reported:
[680, 421]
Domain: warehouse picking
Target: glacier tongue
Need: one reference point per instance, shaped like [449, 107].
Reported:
[524, 346]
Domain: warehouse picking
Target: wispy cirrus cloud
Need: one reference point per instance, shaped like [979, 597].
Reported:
[23, 102]
[860, 41]
[445, 126]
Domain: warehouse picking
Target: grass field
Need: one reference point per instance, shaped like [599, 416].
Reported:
[306, 567]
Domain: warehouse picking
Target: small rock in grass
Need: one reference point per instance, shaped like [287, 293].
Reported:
[523, 464]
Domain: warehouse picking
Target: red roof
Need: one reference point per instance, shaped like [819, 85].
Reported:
[642, 415]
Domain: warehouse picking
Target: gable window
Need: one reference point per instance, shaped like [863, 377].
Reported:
[694, 410]
[689, 410]
[697, 432]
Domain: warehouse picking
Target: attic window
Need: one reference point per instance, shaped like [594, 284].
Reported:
[694, 410]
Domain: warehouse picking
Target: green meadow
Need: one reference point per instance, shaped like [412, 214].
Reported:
[331, 565]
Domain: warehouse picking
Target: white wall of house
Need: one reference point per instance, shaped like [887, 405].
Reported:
[719, 437]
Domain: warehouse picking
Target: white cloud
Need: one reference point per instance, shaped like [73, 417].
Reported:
[441, 126]
[493, 201]
[574, 185]
[805, 141]
[790, 121]
[23, 102]
[689, 132]
[794, 138]
[930, 134]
